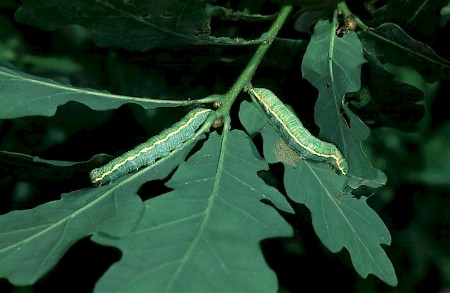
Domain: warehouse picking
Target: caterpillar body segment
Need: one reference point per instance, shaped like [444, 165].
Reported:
[156, 147]
[294, 133]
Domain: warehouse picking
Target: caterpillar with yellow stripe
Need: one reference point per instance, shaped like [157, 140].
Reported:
[156, 147]
[294, 133]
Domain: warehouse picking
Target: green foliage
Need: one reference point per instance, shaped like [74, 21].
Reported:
[374, 101]
[106, 75]
[334, 74]
[391, 44]
[333, 209]
[420, 16]
[134, 25]
[213, 226]
[43, 234]
[39, 96]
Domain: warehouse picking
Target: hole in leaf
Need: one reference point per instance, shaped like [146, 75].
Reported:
[153, 188]
[273, 176]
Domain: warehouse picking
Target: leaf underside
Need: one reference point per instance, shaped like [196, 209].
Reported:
[24, 95]
[335, 74]
[390, 43]
[133, 25]
[207, 237]
[33, 241]
[113, 210]
[339, 219]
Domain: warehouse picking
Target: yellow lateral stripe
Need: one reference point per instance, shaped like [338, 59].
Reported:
[283, 124]
[118, 165]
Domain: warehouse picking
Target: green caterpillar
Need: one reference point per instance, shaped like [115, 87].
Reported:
[293, 132]
[156, 147]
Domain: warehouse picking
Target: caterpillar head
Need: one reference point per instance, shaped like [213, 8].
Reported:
[96, 176]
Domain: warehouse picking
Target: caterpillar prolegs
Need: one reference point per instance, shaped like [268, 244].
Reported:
[156, 147]
[294, 133]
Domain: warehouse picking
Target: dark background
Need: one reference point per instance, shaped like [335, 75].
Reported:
[414, 204]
